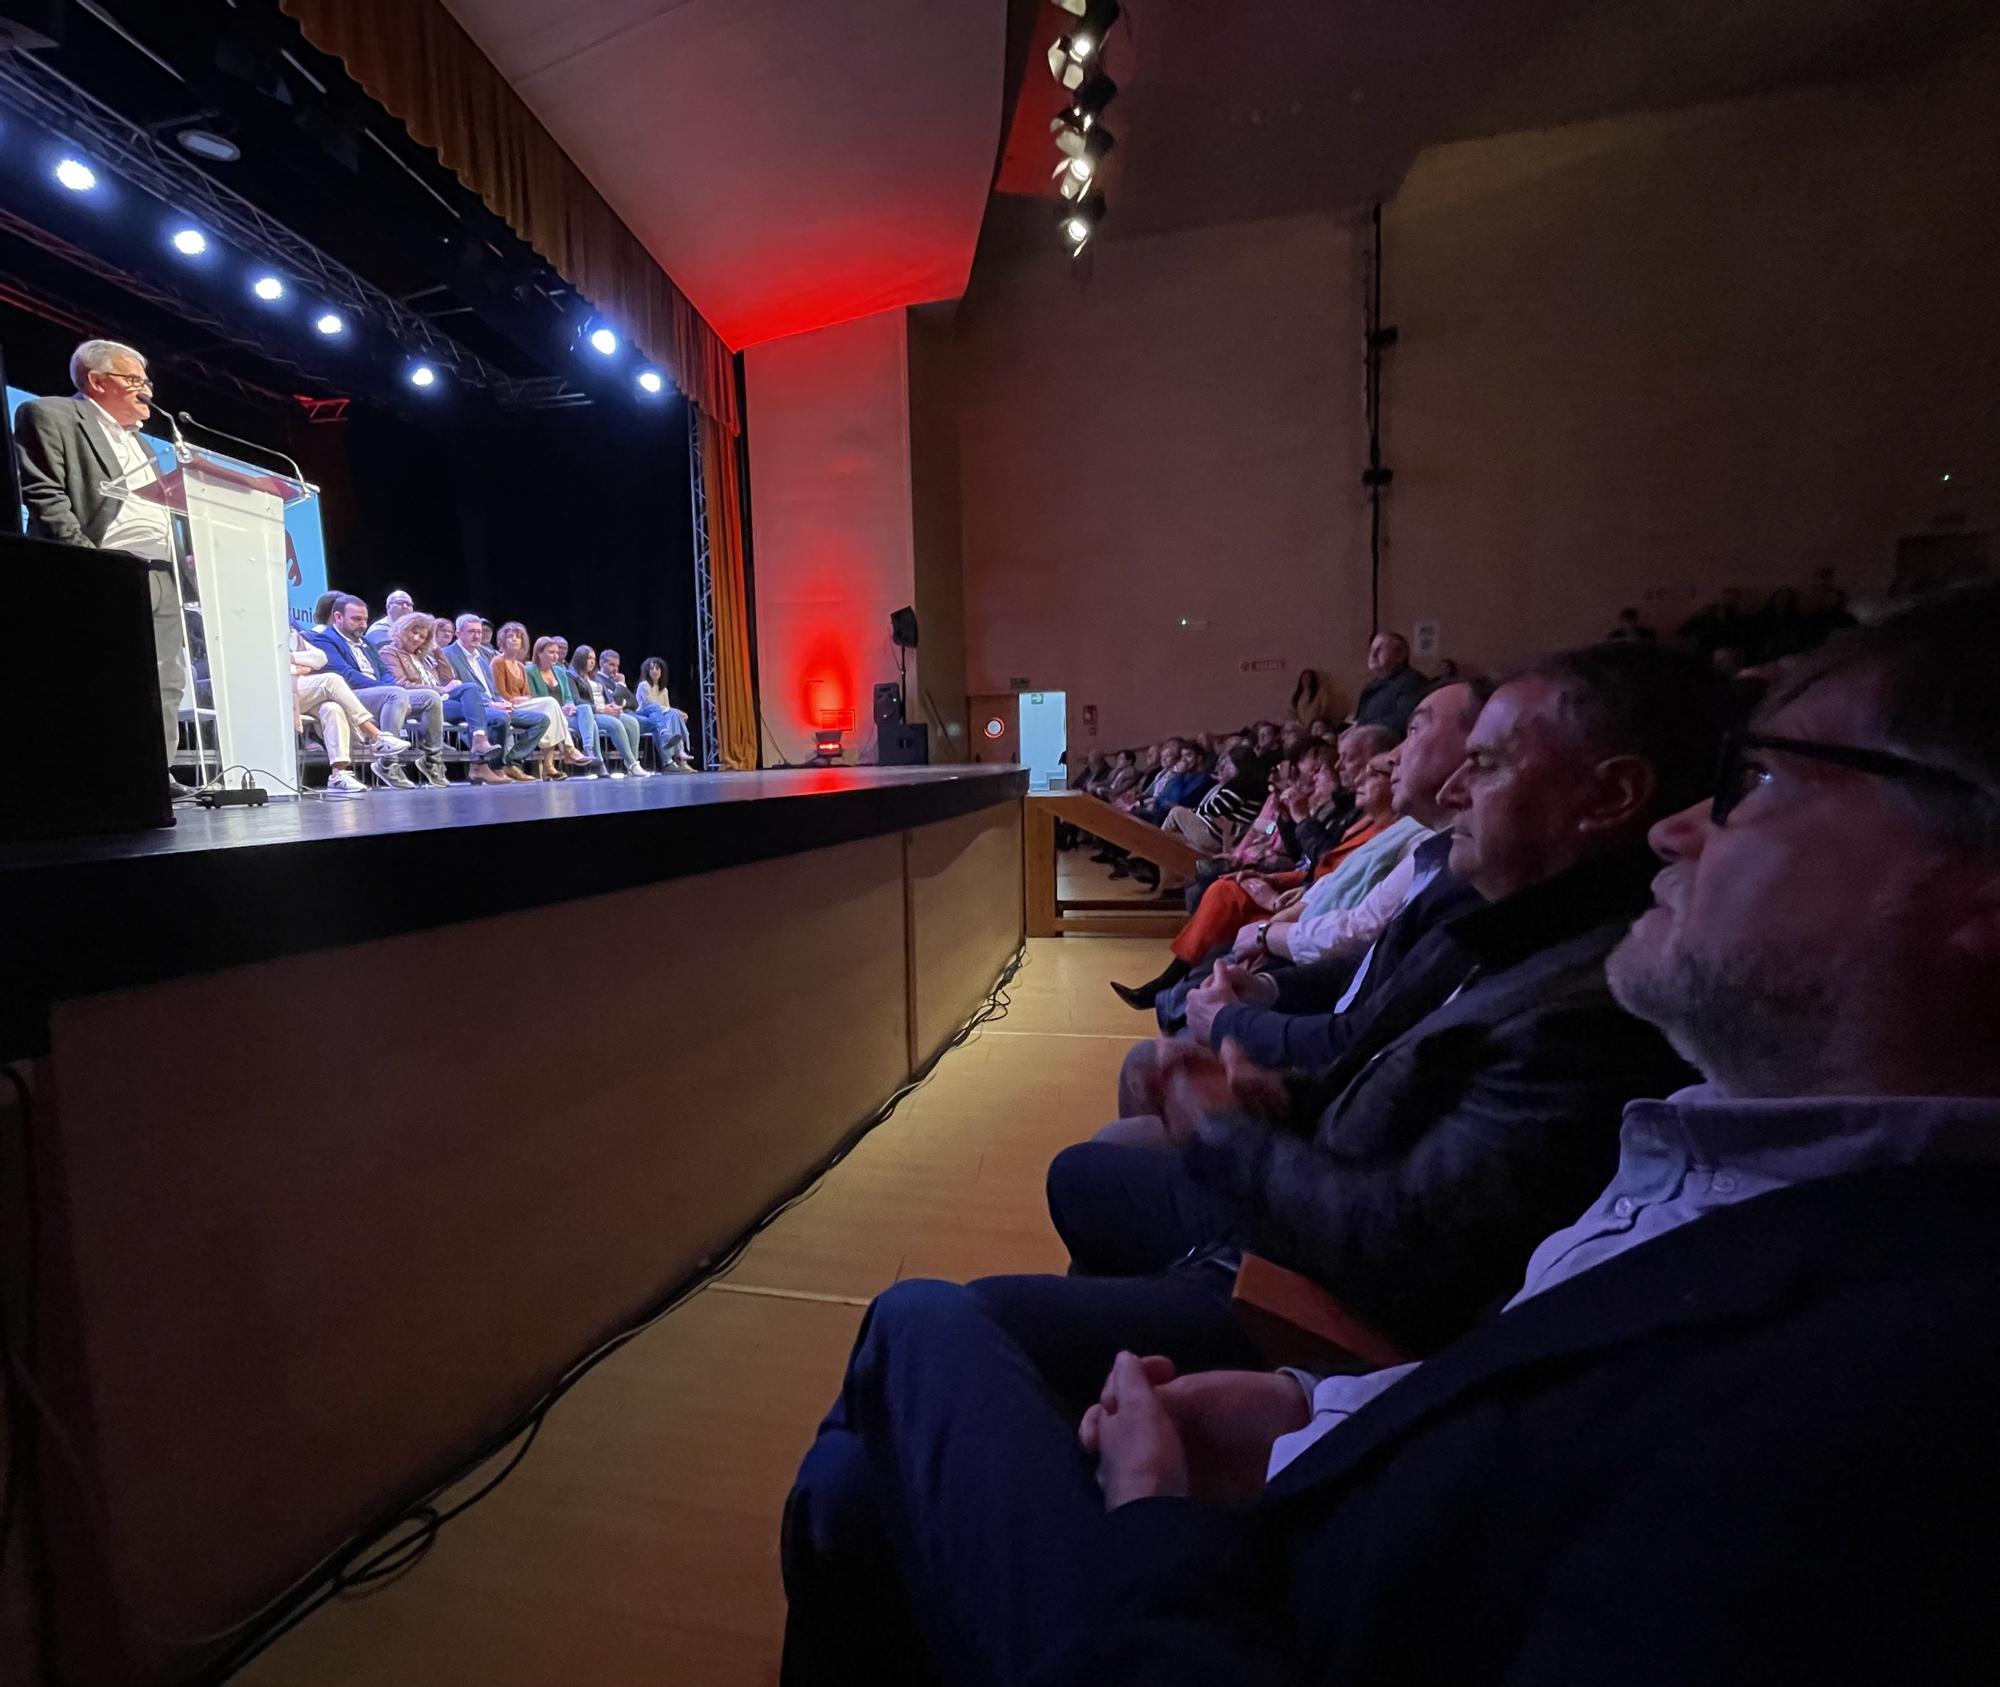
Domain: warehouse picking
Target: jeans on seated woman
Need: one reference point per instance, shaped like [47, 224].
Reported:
[669, 728]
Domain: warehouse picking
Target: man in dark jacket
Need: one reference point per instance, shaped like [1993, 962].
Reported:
[1473, 1096]
[88, 478]
[1734, 1427]
[1393, 685]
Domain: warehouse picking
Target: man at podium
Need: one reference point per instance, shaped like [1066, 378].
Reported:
[68, 449]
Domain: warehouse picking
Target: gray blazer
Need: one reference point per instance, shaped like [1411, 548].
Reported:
[65, 459]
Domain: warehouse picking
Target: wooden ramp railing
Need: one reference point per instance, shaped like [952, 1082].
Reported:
[1049, 915]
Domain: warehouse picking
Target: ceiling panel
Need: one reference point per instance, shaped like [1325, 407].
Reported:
[790, 163]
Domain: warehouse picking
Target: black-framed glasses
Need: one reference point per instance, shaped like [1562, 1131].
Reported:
[1737, 774]
[134, 383]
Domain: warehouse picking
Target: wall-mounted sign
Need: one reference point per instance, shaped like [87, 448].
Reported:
[995, 727]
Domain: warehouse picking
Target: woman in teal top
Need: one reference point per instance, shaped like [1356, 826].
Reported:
[548, 677]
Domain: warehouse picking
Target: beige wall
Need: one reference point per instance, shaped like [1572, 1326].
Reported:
[1640, 360]
[936, 528]
[830, 518]
[1179, 437]
[1645, 358]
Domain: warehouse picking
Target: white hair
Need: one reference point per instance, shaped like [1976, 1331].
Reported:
[94, 357]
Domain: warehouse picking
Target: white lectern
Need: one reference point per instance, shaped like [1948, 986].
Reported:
[236, 540]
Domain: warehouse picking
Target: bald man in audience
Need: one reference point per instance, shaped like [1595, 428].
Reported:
[1735, 1423]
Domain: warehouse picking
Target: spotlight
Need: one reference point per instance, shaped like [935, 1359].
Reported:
[1091, 100]
[329, 323]
[206, 143]
[651, 380]
[1079, 222]
[1070, 59]
[76, 175]
[826, 745]
[190, 242]
[268, 288]
[1080, 135]
[423, 375]
[1073, 177]
[603, 340]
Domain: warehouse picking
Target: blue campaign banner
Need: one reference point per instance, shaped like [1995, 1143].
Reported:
[305, 541]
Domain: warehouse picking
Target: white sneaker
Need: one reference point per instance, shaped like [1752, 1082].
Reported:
[640, 771]
[341, 783]
[614, 773]
[389, 745]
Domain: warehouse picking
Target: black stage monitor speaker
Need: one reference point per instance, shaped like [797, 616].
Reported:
[903, 628]
[106, 597]
[888, 704]
[905, 746]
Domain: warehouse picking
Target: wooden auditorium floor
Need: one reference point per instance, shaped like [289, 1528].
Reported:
[638, 1541]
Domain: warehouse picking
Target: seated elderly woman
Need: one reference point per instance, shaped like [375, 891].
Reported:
[411, 656]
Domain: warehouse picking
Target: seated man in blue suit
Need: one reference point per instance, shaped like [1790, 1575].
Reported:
[1735, 1424]
[354, 659]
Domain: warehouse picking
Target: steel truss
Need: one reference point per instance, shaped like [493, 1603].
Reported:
[44, 94]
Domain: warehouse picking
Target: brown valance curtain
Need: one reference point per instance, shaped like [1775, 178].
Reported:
[414, 58]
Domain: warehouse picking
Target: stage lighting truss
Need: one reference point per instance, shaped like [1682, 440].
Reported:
[124, 148]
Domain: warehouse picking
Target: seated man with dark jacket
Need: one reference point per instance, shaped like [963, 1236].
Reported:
[1734, 1426]
[1472, 1094]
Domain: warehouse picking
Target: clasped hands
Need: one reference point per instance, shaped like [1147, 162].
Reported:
[1206, 1436]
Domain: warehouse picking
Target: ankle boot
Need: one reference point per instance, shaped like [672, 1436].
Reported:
[1142, 996]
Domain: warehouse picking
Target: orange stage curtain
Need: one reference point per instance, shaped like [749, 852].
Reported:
[735, 703]
[413, 58]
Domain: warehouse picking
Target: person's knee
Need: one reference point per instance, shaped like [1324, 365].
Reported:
[1075, 1185]
[1139, 1087]
[902, 1318]
[831, 1512]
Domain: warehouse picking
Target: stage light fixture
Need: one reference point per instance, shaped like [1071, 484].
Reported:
[75, 175]
[826, 745]
[602, 340]
[268, 288]
[1070, 58]
[1079, 135]
[190, 242]
[423, 375]
[206, 143]
[1079, 222]
[651, 380]
[329, 323]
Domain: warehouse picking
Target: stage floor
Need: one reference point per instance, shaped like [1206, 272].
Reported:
[385, 813]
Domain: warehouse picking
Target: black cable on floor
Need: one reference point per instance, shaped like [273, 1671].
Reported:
[392, 1548]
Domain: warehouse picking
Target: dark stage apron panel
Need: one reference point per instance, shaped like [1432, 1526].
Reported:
[229, 886]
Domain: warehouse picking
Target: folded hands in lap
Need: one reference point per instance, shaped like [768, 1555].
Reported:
[1205, 1436]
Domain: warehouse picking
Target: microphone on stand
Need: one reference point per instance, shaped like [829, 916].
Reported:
[183, 451]
[298, 473]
